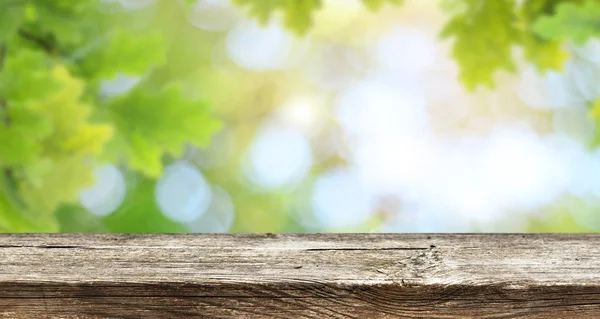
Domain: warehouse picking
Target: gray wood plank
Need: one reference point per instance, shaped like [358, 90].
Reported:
[299, 276]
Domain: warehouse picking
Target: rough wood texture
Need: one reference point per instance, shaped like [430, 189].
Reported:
[299, 276]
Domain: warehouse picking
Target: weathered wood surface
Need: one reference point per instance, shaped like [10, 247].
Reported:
[299, 276]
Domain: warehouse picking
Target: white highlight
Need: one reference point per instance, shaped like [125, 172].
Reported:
[278, 157]
[392, 164]
[574, 122]
[374, 109]
[585, 78]
[340, 199]
[107, 194]
[219, 215]
[476, 179]
[590, 51]
[406, 49]
[418, 219]
[304, 113]
[545, 91]
[182, 193]
[521, 171]
[259, 48]
[118, 85]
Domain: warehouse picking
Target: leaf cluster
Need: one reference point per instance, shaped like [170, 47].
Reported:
[55, 126]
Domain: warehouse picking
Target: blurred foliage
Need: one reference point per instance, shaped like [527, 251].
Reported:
[298, 15]
[55, 126]
[152, 124]
[578, 22]
[484, 36]
[485, 33]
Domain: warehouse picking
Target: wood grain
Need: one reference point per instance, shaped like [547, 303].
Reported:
[299, 276]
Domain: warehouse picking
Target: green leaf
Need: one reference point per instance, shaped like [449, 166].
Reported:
[484, 35]
[127, 52]
[299, 15]
[67, 21]
[60, 184]
[72, 134]
[45, 112]
[21, 128]
[144, 155]
[546, 54]
[151, 124]
[46, 137]
[26, 77]
[571, 21]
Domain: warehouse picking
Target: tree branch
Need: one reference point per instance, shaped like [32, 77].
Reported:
[43, 43]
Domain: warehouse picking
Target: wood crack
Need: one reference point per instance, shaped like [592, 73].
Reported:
[367, 249]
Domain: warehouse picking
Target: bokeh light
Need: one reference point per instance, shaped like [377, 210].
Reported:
[406, 49]
[118, 85]
[263, 48]
[108, 192]
[182, 193]
[340, 199]
[278, 157]
[218, 217]
[380, 113]
[545, 91]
